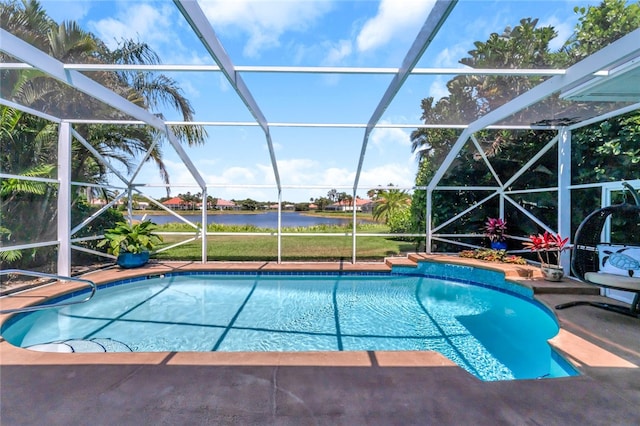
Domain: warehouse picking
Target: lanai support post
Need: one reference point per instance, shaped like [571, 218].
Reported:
[279, 225]
[427, 221]
[130, 204]
[354, 246]
[64, 199]
[203, 228]
[564, 192]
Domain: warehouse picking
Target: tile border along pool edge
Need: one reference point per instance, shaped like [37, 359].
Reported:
[502, 285]
[10, 354]
[424, 268]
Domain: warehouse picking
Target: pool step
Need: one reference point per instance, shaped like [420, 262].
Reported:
[82, 346]
[400, 261]
[529, 274]
[111, 345]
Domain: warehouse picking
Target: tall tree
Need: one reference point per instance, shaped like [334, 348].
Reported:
[523, 46]
[321, 202]
[608, 150]
[601, 25]
[28, 142]
[69, 43]
[332, 195]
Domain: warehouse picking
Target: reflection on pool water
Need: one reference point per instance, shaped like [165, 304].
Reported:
[492, 329]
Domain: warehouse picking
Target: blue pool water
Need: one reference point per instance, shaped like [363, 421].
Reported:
[491, 328]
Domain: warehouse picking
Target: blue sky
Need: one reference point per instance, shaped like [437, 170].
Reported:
[305, 33]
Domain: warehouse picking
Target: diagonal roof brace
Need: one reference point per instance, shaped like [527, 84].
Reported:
[25, 52]
[438, 15]
[196, 18]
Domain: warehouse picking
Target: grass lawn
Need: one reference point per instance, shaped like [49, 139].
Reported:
[263, 248]
[236, 248]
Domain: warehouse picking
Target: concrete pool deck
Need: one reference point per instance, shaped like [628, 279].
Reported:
[325, 387]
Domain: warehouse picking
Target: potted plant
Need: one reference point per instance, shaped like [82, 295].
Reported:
[495, 229]
[548, 247]
[131, 243]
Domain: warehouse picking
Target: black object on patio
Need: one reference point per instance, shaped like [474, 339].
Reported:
[586, 262]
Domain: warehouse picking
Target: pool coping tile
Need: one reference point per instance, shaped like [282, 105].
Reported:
[114, 276]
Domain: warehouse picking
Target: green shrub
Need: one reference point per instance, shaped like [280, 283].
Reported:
[492, 255]
[399, 222]
[134, 238]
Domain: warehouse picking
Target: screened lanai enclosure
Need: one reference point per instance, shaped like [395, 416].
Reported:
[276, 107]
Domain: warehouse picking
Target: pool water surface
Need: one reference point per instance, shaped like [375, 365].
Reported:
[494, 335]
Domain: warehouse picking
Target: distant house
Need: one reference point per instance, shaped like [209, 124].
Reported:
[227, 205]
[97, 202]
[313, 206]
[368, 206]
[347, 206]
[175, 203]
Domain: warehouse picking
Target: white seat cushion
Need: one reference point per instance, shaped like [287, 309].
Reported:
[613, 280]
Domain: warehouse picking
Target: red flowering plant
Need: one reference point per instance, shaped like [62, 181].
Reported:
[495, 229]
[548, 247]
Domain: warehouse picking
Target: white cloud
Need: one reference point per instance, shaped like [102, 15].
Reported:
[276, 146]
[338, 52]
[190, 90]
[297, 171]
[139, 21]
[314, 173]
[450, 56]
[395, 18]
[438, 88]
[223, 83]
[233, 175]
[446, 58]
[152, 23]
[336, 176]
[263, 22]
[564, 29]
[398, 174]
[208, 162]
[385, 138]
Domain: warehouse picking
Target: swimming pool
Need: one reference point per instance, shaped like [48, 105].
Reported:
[491, 328]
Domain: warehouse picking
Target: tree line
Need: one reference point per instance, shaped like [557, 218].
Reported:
[605, 151]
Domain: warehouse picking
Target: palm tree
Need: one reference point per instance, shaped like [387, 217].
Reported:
[389, 202]
[29, 142]
[14, 195]
[69, 43]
